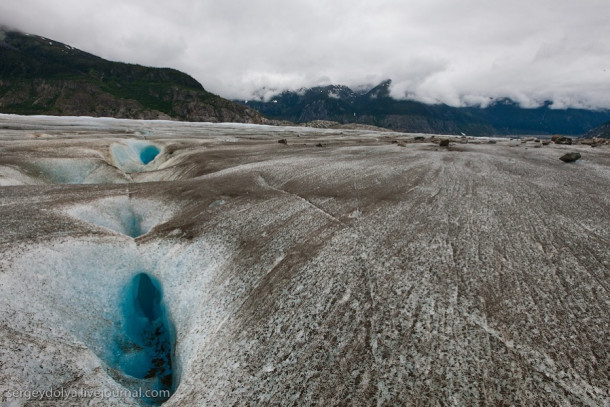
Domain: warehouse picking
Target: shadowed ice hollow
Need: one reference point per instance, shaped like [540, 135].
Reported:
[134, 155]
[128, 216]
[144, 349]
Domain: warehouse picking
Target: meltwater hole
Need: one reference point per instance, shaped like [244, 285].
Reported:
[134, 155]
[146, 346]
[148, 153]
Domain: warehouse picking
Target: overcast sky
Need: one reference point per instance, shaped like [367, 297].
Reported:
[452, 51]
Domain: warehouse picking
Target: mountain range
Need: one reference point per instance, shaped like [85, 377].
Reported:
[43, 76]
[376, 107]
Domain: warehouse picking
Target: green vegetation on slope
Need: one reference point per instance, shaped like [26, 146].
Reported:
[42, 76]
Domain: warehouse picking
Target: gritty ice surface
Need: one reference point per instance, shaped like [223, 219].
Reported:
[375, 270]
[61, 301]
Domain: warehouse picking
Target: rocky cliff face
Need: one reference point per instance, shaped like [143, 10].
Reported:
[602, 131]
[41, 76]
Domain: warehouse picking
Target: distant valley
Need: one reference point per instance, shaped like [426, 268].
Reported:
[375, 107]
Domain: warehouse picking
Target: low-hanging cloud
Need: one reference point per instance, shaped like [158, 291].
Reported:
[438, 51]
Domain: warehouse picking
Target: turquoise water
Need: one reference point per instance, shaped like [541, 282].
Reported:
[148, 153]
[146, 347]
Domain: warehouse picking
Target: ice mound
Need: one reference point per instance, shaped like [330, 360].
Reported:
[10, 176]
[134, 155]
[77, 171]
[128, 216]
[62, 171]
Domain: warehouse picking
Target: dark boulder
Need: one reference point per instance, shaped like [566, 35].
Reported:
[570, 157]
[561, 140]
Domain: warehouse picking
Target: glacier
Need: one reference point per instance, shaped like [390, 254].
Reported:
[211, 261]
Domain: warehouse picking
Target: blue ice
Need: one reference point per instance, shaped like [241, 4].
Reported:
[133, 155]
[145, 348]
[148, 153]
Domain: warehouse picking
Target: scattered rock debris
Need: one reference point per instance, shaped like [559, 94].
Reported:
[570, 157]
[561, 140]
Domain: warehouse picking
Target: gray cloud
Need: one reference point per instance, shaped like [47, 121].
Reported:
[456, 52]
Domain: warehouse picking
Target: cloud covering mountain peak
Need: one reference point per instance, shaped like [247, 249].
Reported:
[456, 53]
